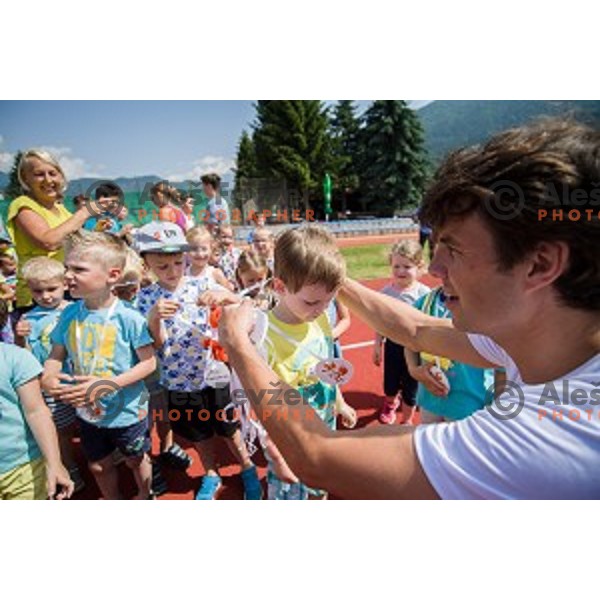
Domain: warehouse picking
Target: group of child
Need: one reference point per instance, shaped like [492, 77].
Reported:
[136, 347]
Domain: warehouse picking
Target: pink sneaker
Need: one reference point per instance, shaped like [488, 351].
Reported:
[387, 416]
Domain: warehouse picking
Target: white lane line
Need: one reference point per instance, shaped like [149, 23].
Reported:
[358, 345]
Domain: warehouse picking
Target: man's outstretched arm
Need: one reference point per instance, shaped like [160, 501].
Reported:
[379, 462]
[408, 326]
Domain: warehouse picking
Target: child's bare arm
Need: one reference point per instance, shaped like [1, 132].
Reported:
[40, 422]
[146, 366]
[52, 375]
[222, 280]
[343, 323]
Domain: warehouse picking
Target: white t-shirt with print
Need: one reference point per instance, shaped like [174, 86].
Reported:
[183, 357]
[549, 449]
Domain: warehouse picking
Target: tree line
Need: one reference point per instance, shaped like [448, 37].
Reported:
[377, 161]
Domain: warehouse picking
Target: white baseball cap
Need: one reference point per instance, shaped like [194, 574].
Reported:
[160, 237]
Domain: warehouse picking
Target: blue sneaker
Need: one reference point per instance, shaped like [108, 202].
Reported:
[211, 484]
[252, 488]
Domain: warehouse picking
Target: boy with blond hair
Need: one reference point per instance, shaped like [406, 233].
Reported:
[110, 351]
[308, 271]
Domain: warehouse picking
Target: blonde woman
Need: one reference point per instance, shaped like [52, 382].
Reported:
[37, 221]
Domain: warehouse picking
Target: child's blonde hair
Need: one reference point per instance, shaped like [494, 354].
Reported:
[133, 271]
[251, 260]
[308, 255]
[107, 249]
[42, 269]
[409, 249]
[199, 232]
[263, 229]
[41, 155]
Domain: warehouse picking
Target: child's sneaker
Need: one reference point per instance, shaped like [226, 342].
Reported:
[252, 488]
[211, 484]
[176, 458]
[387, 416]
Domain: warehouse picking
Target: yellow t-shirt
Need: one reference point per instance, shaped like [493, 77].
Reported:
[26, 248]
[293, 355]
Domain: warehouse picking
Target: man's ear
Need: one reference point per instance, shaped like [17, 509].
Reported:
[547, 263]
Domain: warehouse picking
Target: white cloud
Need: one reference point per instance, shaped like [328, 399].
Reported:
[6, 158]
[73, 166]
[6, 161]
[201, 166]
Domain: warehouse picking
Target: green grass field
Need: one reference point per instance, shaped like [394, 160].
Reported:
[367, 262]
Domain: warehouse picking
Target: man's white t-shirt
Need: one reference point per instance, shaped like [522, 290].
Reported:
[550, 448]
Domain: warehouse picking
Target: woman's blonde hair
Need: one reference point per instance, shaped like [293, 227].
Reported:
[42, 155]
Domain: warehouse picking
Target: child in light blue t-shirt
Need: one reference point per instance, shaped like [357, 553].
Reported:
[109, 349]
[30, 465]
[470, 387]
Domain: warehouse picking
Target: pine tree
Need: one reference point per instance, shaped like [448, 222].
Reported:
[393, 160]
[13, 189]
[292, 143]
[245, 170]
[344, 128]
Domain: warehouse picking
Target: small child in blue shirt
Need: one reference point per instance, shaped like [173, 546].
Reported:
[30, 465]
[110, 352]
[471, 388]
[45, 278]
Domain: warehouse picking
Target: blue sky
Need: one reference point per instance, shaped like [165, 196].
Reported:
[171, 139]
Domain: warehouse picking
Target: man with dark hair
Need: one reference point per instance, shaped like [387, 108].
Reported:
[524, 293]
[218, 211]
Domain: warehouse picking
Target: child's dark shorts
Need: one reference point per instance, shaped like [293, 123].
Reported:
[396, 377]
[100, 442]
[198, 416]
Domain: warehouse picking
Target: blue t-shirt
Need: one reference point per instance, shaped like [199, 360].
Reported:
[110, 344]
[92, 223]
[17, 444]
[43, 321]
[468, 385]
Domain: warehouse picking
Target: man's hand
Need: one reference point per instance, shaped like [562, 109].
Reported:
[236, 323]
[217, 298]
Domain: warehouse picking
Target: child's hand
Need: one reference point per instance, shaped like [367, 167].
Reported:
[52, 384]
[423, 375]
[164, 309]
[23, 328]
[377, 354]
[7, 292]
[347, 414]
[217, 297]
[79, 394]
[59, 482]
